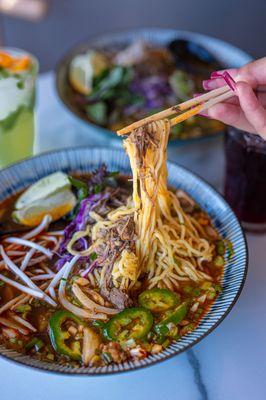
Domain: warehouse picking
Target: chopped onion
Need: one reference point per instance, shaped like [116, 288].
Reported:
[9, 333]
[28, 243]
[14, 325]
[91, 305]
[43, 225]
[91, 343]
[80, 312]
[23, 322]
[138, 352]
[22, 288]
[202, 298]
[194, 307]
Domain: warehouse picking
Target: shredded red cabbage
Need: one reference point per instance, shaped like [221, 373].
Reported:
[153, 88]
[79, 223]
[98, 176]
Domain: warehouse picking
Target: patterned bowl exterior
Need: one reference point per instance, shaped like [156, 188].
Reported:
[227, 54]
[20, 175]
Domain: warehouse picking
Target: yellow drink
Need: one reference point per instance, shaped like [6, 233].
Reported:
[17, 99]
[17, 142]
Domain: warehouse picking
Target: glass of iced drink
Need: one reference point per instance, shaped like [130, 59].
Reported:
[18, 71]
[245, 178]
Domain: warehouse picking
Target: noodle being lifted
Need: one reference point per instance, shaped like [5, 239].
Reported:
[170, 245]
[167, 236]
[129, 274]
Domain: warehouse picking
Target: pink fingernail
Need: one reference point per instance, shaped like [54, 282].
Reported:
[215, 74]
[209, 84]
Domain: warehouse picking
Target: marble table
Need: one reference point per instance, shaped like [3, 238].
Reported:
[229, 364]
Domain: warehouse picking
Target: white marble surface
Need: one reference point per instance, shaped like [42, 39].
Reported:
[230, 364]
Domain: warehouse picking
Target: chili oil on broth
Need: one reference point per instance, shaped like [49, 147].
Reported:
[38, 344]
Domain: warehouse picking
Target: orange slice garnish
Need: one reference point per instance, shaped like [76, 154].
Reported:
[20, 64]
[5, 60]
[14, 64]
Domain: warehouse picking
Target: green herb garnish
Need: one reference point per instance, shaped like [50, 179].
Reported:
[97, 112]
[23, 308]
[219, 261]
[78, 184]
[220, 248]
[93, 256]
[20, 84]
[230, 249]
[4, 73]
[34, 342]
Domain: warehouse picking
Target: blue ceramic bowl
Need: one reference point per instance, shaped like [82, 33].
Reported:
[228, 55]
[20, 175]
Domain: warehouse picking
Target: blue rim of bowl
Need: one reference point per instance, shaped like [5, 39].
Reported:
[63, 64]
[177, 352]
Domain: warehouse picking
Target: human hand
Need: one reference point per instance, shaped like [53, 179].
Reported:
[247, 111]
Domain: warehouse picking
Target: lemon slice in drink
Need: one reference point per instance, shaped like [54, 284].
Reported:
[83, 68]
[56, 205]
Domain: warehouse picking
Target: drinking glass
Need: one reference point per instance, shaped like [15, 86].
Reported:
[245, 178]
[17, 102]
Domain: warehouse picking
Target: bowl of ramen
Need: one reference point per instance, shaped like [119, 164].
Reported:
[105, 265]
[116, 79]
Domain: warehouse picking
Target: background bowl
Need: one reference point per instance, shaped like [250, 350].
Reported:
[227, 54]
[20, 175]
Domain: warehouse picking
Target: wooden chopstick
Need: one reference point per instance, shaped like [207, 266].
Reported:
[197, 103]
[201, 107]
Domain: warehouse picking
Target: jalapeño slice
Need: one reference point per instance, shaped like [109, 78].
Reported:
[158, 300]
[131, 323]
[58, 335]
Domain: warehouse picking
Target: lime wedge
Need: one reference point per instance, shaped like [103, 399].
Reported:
[43, 188]
[56, 205]
[83, 68]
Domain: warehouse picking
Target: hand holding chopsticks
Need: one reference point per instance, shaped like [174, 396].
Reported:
[190, 107]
